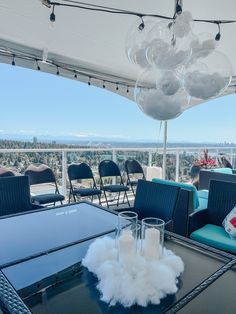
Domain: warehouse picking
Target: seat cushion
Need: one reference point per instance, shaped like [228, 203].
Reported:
[87, 192]
[189, 187]
[203, 194]
[47, 198]
[223, 170]
[115, 188]
[214, 236]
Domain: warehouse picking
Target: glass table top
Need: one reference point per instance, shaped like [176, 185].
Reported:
[57, 283]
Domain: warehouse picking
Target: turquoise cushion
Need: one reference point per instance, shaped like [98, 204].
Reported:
[202, 204]
[203, 194]
[214, 236]
[185, 186]
[223, 170]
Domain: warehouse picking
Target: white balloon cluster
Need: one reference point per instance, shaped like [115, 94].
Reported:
[178, 65]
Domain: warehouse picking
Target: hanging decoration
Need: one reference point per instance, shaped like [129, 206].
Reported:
[177, 65]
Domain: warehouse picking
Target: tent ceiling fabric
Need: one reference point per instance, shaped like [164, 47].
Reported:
[94, 42]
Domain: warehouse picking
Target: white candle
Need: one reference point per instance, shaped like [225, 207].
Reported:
[151, 245]
[126, 246]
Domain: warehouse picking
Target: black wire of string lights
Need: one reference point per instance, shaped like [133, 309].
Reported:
[59, 68]
[99, 8]
[105, 9]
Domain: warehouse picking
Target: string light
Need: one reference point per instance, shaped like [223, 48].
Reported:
[218, 35]
[127, 90]
[52, 15]
[141, 25]
[38, 67]
[13, 60]
[111, 10]
[26, 57]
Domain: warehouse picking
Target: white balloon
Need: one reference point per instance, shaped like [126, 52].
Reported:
[160, 99]
[209, 76]
[182, 25]
[169, 83]
[202, 45]
[164, 50]
[136, 41]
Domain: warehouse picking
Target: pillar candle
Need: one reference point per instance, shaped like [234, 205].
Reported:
[126, 246]
[151, 244]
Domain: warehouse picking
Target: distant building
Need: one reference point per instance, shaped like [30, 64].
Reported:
[54, 142]
[35, 140]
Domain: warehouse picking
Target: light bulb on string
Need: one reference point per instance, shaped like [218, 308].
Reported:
[52, 18]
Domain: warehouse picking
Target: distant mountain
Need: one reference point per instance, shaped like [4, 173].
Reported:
[98, 141]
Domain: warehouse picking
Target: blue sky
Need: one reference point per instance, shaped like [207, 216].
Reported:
[37, 103]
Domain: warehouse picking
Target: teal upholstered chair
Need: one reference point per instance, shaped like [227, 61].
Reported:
[205, 226]
[196, 201]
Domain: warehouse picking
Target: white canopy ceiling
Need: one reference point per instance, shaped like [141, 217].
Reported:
[93, 43]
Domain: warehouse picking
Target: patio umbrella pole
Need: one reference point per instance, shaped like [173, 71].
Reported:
[164, 151]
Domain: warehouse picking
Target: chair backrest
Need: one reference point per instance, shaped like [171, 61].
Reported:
[14, 195]
[108, 168]
[79, 171]
[221, 200]
[132, 166]
[40, 174]
[206, 175]
[5, 172]
[156, 200]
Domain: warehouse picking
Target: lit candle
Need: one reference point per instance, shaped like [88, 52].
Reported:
[151, 246]
[126, 246]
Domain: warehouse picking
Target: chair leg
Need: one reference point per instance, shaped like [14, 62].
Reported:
[99, 199]
[92, 198]
[127, 198]
[118, 199]
[74, 198]
[106, 198]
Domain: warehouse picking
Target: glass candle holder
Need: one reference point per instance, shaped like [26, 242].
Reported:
[127, 218]
[152, 238]
[127, 240]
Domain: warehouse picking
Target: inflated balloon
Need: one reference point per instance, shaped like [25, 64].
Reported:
[208, 76]
[182, 25]
[202, 45]
[160, 101]
[157, 105]
[169, 83]
[164, 50]
[136, 41]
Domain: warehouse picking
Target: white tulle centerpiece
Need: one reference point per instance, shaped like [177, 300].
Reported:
[141, 282]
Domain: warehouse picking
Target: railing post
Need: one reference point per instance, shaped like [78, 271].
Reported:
[149, 158]
[231, 156]
[64, 172]
[177, 167]
[114, 159]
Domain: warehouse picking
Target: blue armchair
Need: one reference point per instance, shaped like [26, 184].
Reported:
[15, 195]
[156, 200]
[205, 226]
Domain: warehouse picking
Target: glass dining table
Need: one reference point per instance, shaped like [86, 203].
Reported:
[41, 270]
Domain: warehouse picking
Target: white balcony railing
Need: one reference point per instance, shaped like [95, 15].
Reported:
[179, 161]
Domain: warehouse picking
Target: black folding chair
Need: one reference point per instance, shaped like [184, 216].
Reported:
[5, 172]
[108, 168]
[43, 174]
[134, 172]
[81, 172]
